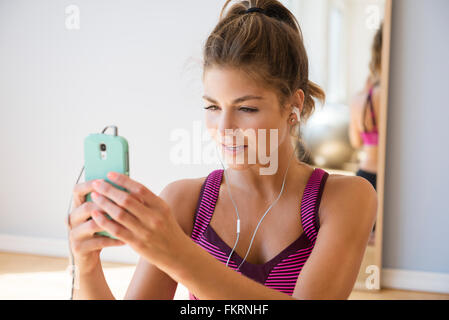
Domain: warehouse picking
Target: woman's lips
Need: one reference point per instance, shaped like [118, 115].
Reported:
[234, 149]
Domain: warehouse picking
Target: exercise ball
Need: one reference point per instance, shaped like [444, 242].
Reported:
[326, 136]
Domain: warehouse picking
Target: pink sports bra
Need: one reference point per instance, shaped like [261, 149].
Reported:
[370, 137]
[282, 271]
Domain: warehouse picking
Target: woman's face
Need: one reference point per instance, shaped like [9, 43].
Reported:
[236, 110]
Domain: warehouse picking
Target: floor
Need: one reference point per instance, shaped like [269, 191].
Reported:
[24, 276]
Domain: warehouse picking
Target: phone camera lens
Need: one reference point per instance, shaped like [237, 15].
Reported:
[102, 147]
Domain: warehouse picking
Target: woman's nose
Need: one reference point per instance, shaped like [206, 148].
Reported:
[226, 124]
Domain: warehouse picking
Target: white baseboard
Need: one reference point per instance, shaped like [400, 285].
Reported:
[391, 278]
[415, 280]
[60, 248]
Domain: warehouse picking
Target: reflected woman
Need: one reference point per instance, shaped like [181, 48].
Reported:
[363, 131]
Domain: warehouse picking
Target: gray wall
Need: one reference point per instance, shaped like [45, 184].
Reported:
[416, 218]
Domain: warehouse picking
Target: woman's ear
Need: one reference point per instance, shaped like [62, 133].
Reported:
[300, 97]
[298, 100]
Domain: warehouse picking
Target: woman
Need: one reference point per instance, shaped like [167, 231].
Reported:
[364, 111]
[255, 73]
[363, 130]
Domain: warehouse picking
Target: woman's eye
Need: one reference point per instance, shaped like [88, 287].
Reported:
[210, 108]
[245, 109]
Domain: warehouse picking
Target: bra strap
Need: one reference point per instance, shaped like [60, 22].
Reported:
[311, 203]
[208, 199]
[370, 98]
[369, 101]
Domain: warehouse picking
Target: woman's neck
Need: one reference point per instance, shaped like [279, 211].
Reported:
[265, 186]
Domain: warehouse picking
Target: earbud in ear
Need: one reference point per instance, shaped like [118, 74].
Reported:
[296, 111]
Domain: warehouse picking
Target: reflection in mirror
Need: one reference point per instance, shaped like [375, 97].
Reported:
[343, 39]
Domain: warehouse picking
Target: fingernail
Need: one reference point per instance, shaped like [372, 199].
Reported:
[94, 195]
[112, 175]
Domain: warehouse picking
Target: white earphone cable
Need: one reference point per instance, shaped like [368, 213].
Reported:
[274, 202]
[260, 221]
[235, 207]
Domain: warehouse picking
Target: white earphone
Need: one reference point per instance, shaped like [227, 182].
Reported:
[296, 111]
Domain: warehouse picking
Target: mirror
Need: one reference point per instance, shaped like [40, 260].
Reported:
[347, 42]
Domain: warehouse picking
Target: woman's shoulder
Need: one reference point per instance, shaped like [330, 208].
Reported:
[358, 100]
[182, 197]
[347, 196]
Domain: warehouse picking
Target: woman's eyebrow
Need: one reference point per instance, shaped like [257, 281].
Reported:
[238, 100]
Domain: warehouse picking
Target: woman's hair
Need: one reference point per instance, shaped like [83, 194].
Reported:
[267, 46]
[376, 54]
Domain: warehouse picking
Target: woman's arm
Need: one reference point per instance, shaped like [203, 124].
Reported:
[149, 282]
[348, 218]
[354, 133]
[92, 286]
[329, 273]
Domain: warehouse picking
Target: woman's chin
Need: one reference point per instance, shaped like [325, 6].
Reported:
[238, 167]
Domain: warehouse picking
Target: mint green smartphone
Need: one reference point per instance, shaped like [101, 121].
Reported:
[104, 153]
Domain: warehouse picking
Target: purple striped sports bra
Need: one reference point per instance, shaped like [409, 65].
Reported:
[282, 271]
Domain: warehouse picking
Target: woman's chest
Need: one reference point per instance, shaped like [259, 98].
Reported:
[276, 230]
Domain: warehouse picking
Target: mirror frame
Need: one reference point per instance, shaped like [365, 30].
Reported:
[386, 39]
[382, 146]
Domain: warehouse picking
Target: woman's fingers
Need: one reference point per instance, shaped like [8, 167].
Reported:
[85, 230]
[113, 228]
[123, 217]
[121, 198]
[83, 239]
[80, 191]
[138, 190]
[96, 243]
[82, 213]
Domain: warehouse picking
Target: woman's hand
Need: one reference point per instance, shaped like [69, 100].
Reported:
[140, 218]
[85, 245]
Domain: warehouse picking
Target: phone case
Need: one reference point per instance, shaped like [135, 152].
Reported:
[98, 162]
